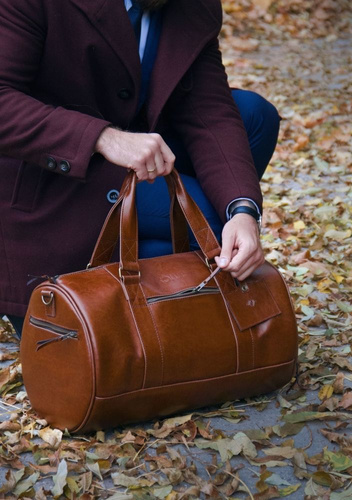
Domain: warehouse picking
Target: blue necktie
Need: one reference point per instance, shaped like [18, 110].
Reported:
[135, 14]
[150, 53]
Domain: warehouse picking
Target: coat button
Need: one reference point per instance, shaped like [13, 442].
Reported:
[51, 163]
[125, 94]
[65, 167]
[112, 195]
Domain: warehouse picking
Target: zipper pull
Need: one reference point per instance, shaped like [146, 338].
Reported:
[43, 343]
[43, 277]
[206, 281]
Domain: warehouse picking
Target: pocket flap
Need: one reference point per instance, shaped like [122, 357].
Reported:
[251, 304]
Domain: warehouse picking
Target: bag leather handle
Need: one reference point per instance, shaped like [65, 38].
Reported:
[110, 232]
[122, 221]
[203, 233]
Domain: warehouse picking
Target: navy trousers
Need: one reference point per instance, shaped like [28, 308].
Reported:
[261, 121]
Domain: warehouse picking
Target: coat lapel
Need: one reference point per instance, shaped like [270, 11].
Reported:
[110, 18]
[187, 26]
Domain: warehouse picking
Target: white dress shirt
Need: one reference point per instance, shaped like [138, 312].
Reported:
[144, 29]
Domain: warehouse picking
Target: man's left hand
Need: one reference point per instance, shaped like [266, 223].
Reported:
[241, 251]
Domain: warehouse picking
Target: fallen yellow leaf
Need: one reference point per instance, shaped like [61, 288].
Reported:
[324, 284]
[304, 302]
[326, 392]
[298, 225]
[337, 277]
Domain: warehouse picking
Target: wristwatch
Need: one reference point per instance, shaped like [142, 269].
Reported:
[244, 209]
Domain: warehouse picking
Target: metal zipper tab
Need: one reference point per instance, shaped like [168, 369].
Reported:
[206, 281]
[61, 332]
[183, 293]
[199, 289]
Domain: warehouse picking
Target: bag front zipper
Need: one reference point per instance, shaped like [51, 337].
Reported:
[184, 293]
[61, 332]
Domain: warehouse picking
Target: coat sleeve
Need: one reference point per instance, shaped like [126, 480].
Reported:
[204, 114]
[29, 129]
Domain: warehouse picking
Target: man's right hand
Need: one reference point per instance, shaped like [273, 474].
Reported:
[146, 154]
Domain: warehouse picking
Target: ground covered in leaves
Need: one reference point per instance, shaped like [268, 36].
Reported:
[297, 442]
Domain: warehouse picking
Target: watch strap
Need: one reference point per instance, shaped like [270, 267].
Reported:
[243, 209]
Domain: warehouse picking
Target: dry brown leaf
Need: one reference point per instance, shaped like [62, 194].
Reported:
[346, 401]
[301, 142]
[264, 4]
[338, 384]
[244, 44]
[278, 451]
[9, 426]
[51, 436]
[271, 492]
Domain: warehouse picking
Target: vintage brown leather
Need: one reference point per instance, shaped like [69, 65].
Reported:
[135, 340]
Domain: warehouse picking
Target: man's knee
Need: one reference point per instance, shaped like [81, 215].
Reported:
[256, 111]
[267, 110]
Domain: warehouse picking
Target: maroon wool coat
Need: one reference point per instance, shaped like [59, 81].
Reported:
[68, 68]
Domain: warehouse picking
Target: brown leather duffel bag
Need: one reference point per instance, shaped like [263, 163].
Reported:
[139, 339]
